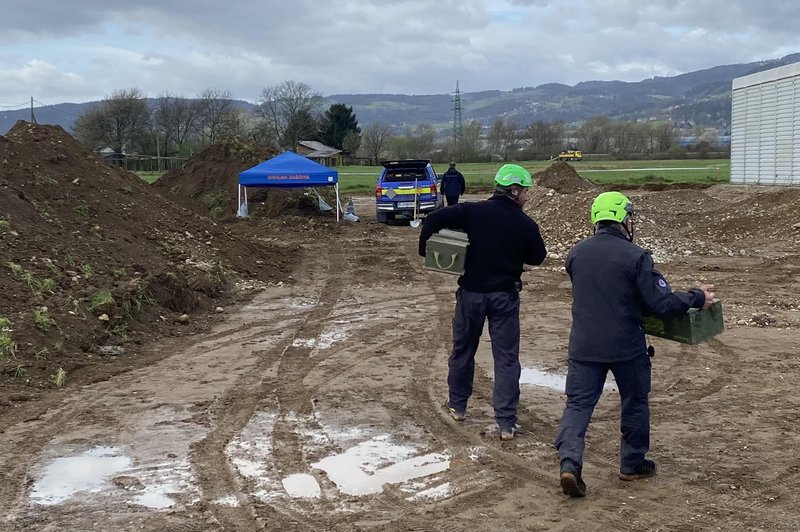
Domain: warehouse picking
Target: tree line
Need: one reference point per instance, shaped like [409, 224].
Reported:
[285, 114]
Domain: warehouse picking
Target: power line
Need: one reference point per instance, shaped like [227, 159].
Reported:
[12, 106]
[55, 107]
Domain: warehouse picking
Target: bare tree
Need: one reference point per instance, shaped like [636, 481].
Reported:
[420, 141]
[283, 105]
[376, 140]
[173, 119]
[216, 115]
[546, 137]
[119, 121]
[594, 134]
[503, 138]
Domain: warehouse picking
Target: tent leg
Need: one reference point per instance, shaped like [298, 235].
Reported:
[338, 205]
[239, 202]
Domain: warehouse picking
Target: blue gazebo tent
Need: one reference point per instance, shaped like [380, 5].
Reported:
[287, 170]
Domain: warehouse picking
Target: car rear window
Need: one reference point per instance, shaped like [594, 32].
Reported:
[405, 175]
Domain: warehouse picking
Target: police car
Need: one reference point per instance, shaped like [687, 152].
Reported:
[395, 191]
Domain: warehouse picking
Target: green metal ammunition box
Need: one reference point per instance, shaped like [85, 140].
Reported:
[446, 251]
[693, 327]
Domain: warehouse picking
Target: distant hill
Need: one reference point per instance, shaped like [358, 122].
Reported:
[701, 97]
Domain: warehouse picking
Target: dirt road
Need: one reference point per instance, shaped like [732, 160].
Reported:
[318, 406]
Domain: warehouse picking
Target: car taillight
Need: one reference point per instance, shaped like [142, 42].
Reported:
[378, 192]
[433, 189]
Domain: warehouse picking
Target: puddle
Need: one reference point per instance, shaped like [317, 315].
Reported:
[555, 381]
[302, 485]
[436, 493]
[365, 468]
[89, 472]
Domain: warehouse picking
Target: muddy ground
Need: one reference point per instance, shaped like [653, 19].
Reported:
[317, 403]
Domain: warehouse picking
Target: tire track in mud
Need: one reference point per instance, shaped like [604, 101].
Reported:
[510, 469]
[235, 409]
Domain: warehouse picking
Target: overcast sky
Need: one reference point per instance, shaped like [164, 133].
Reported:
[83, 50]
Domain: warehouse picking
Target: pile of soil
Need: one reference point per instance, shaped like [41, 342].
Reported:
[91, 257]
[562, 178]
[679, 222]
[208, 184]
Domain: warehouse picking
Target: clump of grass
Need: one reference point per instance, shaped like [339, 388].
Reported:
[216, 202]
[120, 331]
[52, 265]
[87, 270]
[41, 354]
[83, 211]
[119, 273]
[59, 377]
[17, 371]
[36, 285]
[8, 347]
[5, 324]
[42, 319]
[4, 224]
[45, 180]
[101, 299]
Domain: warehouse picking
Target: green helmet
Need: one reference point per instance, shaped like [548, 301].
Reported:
[612, 206]
[513, 174]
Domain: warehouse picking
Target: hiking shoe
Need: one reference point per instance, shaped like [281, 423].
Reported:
[458, 415]
[571, 482]
[643, 470]
[507, 434]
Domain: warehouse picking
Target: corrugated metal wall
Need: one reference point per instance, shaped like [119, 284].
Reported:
[765, 130]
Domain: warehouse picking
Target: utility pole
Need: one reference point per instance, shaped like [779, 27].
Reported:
[33, 118]
[457, 129]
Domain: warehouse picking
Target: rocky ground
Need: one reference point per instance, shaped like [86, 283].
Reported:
[287, 372]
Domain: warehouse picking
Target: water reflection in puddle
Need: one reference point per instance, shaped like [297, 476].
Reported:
[302, 485]
[555, 381]
[365, 468]
[88, 472]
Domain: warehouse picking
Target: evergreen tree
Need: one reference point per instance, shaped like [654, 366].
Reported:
[335, 125]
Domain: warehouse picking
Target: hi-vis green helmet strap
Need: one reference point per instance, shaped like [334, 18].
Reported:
[513, 174]
[612, 206]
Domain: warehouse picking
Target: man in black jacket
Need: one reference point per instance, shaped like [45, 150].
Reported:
[502, 238]
[614, 284]
[453, 184]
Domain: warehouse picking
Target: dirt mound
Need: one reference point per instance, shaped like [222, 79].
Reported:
[90, 255]
[562, 178]
[207, 183]
[679, 222]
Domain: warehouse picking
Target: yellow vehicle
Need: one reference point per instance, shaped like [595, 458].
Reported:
[570, 155]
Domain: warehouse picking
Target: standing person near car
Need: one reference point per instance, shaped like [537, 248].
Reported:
[502, 238]
[614, 284]
[453, 184]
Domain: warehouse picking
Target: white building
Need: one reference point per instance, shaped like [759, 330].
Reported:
[765, 127]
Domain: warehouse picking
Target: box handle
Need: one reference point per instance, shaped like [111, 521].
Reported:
[439, 265]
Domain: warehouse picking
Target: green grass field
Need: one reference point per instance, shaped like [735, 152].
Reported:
[479, 176]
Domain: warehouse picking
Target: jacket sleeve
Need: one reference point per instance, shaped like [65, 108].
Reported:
[656, 295]
[450, 217]
[534, 250]
[462, 183]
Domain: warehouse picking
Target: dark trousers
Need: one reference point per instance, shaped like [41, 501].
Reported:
[585, 382]
[502, 311]
[451, 200]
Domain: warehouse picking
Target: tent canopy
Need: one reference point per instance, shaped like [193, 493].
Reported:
[288, 170]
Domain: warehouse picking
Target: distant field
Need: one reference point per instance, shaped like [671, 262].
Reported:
[150, 177]
[479, 176]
